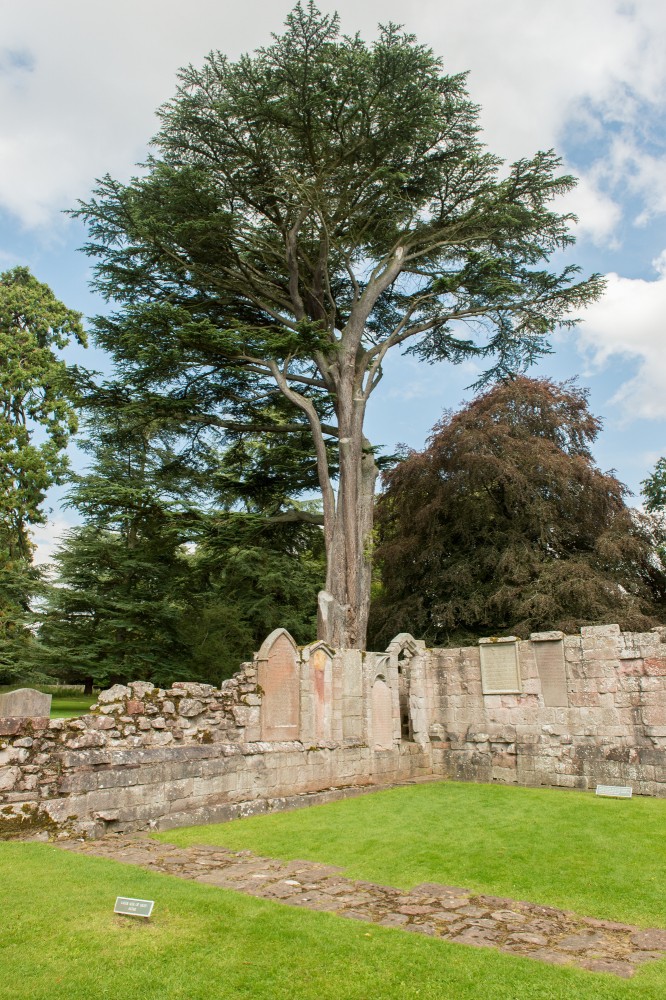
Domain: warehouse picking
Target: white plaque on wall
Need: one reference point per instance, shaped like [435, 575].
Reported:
[500, 673]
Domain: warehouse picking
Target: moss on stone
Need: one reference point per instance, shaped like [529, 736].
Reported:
[30, 820]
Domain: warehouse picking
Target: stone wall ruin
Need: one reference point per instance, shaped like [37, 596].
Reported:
[298, 725]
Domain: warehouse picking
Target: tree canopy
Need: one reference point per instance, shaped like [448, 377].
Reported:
[503, 524]
[306, 210]
[37, 419]
[36, 393]
[163, 580]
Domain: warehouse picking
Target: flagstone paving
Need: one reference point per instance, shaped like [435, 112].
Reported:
[446, 912]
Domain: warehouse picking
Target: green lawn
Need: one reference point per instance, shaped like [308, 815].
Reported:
[601, 857]
[67, 706]
[61, 941]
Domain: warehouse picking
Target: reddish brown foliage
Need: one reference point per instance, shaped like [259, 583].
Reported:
[504, 524]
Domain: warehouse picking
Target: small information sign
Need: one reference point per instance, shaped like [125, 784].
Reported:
[134, 907]
[615, 791]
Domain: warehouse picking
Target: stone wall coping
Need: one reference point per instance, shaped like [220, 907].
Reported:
[551, 636]
[492, 640]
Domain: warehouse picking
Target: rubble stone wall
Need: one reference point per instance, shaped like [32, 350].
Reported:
[568, 711]
[144, 757]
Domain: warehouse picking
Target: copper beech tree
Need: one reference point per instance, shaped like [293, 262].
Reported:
[504, 524]
[306, 210]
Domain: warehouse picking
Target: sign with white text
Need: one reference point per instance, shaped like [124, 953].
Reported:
[615, 791]
[133, 907]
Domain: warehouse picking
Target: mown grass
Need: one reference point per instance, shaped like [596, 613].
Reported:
[601, 857]
[68, 706]
[61, 941]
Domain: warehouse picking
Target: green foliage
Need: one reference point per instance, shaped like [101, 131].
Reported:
[37, 418]
[115, 611]
[167, 579]
[504, 525]
[654, 489]
[305, 210]
[248, 578]
[35, 392]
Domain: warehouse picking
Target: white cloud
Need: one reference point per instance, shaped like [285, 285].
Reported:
[598, 214]
[628, 324]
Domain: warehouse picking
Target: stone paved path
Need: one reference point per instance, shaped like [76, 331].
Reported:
[453, 914]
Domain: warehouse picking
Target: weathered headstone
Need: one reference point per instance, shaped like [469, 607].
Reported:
[549, 655]
[278, 677]
[382, 715]
[25, 703]
[500, 673]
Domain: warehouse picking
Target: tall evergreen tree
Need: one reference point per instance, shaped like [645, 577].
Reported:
[307, 210]
[503, 524]
[250, 577]
[177, 572]
[37, 419]
[115, 610]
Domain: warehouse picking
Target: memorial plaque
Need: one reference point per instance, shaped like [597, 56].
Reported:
[382, 715]
[615, 791]
[500, 673]
[549, 657]
[278, 677]
[25, 703]
[133, 907]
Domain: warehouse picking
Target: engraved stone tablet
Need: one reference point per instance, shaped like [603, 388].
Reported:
[499, 666]
[133, 907]
[615, 791]
[278, 677]
[549, 655]
[382, 715]
[25, 703]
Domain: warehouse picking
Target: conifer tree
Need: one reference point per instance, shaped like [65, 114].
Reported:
[178, 571]
[305, 211]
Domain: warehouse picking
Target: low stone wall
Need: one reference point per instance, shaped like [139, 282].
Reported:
[609, 726]
[144, 757]
[568, 711]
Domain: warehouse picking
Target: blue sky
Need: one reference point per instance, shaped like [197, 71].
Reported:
[80, 81]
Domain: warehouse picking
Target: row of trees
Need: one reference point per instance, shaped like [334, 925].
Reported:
[502, 524]
[306, 210]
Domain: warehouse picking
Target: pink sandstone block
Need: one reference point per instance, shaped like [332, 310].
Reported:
[655, 666]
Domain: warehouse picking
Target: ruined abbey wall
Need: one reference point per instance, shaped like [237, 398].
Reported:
[299, 725]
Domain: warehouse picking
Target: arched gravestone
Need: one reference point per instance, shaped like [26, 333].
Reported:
[382, 715]
[321, 679]
[278, 678]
